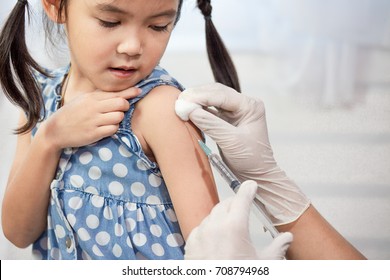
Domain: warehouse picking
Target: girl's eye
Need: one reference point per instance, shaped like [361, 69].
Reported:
[108, 24]
[160, 28]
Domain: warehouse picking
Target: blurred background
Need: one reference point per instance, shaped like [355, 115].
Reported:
[322, 69]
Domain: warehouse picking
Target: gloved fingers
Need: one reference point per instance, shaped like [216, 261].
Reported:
[223, 102]
[221, 216]
[192, 248]
[203, 237]
[278, 247]
[210, 124]
[184, 108]
[283, 240]
[220, 211]
[217, 95]
[242, 201]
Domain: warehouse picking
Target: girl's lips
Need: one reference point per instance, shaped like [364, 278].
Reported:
[122, 72]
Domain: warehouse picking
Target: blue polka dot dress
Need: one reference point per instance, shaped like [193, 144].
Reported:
[108, 200]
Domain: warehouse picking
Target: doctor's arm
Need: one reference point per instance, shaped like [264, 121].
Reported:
[315, 238]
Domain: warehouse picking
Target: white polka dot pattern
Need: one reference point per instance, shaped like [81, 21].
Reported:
[85, 158]
[105, 154]
[95, 173]
[92, 221]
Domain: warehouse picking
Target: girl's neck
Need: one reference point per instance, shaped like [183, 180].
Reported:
[64, 88]
[73, 86]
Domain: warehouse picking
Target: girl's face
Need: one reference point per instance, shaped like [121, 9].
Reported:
[114, 44]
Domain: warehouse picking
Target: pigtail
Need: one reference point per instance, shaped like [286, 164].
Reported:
[179, 11]
[17, 66]
[221, 63]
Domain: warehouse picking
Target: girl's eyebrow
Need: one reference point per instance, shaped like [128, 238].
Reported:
[167, 14]
[116, 10]
[111, 9]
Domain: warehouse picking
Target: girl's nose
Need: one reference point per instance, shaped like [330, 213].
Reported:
[130, 45]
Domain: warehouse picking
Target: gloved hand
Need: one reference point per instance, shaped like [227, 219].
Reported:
[224, 234]
[237, 123]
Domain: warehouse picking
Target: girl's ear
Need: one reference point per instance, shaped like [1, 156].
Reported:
[51, 8]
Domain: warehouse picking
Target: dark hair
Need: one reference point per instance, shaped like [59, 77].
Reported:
[17, 66]
[221, 63]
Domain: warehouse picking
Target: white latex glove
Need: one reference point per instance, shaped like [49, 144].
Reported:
[224, 234]
[237, 123]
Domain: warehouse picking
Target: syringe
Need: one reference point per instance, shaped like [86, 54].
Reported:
[235, 184]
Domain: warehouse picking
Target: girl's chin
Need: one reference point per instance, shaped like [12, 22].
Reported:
[115, 88]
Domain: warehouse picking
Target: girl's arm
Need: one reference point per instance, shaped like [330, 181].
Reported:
[26, 199]
[172, 143]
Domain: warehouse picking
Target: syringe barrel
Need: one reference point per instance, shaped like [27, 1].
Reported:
[225, 172]
[234, 184]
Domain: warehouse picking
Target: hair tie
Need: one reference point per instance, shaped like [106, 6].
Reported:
[24, 2]
[207, 17]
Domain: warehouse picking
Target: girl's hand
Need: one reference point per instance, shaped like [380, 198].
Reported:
[87, 118]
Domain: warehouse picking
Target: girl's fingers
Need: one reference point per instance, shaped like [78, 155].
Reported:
[111, 118]
[113, 104]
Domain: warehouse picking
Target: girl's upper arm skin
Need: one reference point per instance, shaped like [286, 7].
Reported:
[173, 144]
[22, 146]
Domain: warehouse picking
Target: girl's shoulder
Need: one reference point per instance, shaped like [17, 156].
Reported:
[158, 77]
[154, 104]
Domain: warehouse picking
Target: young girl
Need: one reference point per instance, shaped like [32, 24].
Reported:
[103, 168]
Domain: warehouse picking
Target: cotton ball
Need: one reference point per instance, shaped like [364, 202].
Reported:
[184, 108]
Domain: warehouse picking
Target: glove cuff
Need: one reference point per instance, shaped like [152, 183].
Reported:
[282, 199]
